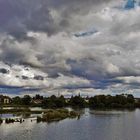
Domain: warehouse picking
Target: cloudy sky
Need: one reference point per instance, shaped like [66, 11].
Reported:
[69, 46]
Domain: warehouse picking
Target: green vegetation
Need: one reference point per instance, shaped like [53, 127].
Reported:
[123, 101]
[9, 120]
[77, 101]
[57, 115]
[26, 100]
[20, 110]
[17, 100]
[54, 102]
[1, 120]
[99, 101]
[49, 102]
[118, 101]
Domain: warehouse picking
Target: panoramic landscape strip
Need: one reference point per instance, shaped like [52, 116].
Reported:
[98, 101]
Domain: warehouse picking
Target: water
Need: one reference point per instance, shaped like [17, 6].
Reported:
[6, 115]
[93, 125]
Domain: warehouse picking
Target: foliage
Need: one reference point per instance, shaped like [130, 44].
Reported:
[9, 120]
[39, 97]
[26, 100]
[118, 101]
[99, 101]
[54, 102]
[17, 100]
[18, 110]
[56, 115]
[77, 101]
[1, 121]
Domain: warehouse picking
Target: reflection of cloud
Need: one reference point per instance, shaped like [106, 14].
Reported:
[19, 131]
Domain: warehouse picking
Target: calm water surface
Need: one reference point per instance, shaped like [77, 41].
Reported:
[93, 125]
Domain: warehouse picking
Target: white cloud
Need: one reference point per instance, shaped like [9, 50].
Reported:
[107, 60]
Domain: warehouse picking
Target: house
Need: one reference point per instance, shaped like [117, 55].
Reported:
[67, 100]
[37, 101]
[5, 99]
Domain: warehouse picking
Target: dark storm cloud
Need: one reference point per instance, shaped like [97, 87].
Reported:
[20, 16]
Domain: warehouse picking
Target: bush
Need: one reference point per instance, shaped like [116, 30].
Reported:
[56, 115]
[118, 101]
[77, 101]
[73, 114]
[1, 121]
[9, 120]
[39, 119]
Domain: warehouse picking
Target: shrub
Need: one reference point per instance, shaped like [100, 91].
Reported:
[1, 121]
[9, 120]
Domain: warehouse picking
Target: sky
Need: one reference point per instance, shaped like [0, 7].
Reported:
[69, 47]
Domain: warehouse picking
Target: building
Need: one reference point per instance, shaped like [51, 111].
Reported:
[5, 99]
[37, 101]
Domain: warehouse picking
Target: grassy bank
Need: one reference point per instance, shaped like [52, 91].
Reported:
[49, 115]
[5, 111]
[57, 115]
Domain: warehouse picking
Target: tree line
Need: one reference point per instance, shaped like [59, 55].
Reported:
[98, 101]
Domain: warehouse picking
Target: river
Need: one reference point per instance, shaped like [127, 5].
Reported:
[92, 125]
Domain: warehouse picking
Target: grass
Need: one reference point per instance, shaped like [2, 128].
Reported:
[5, 111]
[48, 116]
[57, 115]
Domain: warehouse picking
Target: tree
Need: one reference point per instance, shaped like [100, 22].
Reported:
[54, 102]
[130, 99]
[17, 100]
[60, 101]
[26, 100]
[97, 101]
[77, 101]
[38, 97]
[118, 101]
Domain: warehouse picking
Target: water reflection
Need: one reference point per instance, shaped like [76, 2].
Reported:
[93, 125]
[6, 115]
